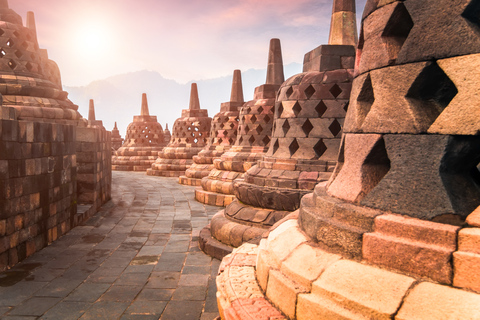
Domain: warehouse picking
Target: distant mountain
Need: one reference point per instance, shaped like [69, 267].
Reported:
[118, 98]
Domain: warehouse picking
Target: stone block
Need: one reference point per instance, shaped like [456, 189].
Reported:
[306, 263]
[282, 292]
[265, 262]
[433, 301]
[473, 219]
[469, 240]
[467, 270]
[369, 291]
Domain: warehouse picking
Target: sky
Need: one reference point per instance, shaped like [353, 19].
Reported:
[183, 40]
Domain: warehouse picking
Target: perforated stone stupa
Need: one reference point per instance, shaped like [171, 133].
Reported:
[189, 137]
[253, 140]
[395, 233]
[309, 116]
[143, 140]
[223, 134]
[29, 81]
[117, 139]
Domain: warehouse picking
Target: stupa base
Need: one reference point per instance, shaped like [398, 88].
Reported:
[291, 275]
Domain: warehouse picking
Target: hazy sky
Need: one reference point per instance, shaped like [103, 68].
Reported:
[181, 39]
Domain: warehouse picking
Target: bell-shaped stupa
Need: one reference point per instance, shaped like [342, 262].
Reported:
[223, 134]
[395, 232]
[117, 139]
[30, 82]
[189, 137]
[167, 134]
[143, 140]
[309, 116]
[253, 137]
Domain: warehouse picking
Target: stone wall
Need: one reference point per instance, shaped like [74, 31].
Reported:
[94, 170]
[38, 174]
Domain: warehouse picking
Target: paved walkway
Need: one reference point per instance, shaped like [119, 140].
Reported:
[137, 258]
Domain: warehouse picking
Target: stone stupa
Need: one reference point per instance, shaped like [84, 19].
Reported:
[189, 137]
[395, 234]
[253, 137]
[167, 134]
[30, 82]
[117, 139]
[310, 113]
[223, 134]
[143, 140]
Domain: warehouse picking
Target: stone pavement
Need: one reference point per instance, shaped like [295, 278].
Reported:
[137, 258]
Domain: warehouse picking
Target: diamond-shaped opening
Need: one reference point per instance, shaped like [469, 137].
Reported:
[434, 89]
[259, 129]
[365, 99]
[10, 43]
[251, 140]
[230, 141]
[16, 34]
[335, 127]
[187, 140]
[335, 90]
[289, 92]
[12, 64]
[321, 108]
[260, 109]
[319, 148]
[25, 45]
[248, 110]
[266, 119]
[240, 140]
[18, 53]
[285, 127]
[195, 140]
[396, 31]
[293, 147]
[297, 108]
[1, 32]
[276, 145]
[253, 119]
[279, 110]
[307, 127]
[246, 129]
[2, 53]
[266, 140]
[472, 13]
[309, 91]
[29, 66]
[345, 106]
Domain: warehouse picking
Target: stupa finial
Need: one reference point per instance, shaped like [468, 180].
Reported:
[194, 101]
[275, 63]
[144, 111]
[237, 88]
[91, 111]
[115, 127]
[343, 26]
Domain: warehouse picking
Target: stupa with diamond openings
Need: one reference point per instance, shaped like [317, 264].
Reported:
[189, 136]
[253, 137]
[117, 139]
[143, 140]
[395, 232]
[29, 81]
[223, 134]
[309, 116]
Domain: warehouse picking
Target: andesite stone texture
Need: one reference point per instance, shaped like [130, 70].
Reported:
[143, 140]
[253, 139]
[189, 136]
[29, 81]
[223, 134]
[55, 166]
[398, 221]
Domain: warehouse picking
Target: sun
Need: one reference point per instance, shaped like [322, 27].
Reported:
[92, 40]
